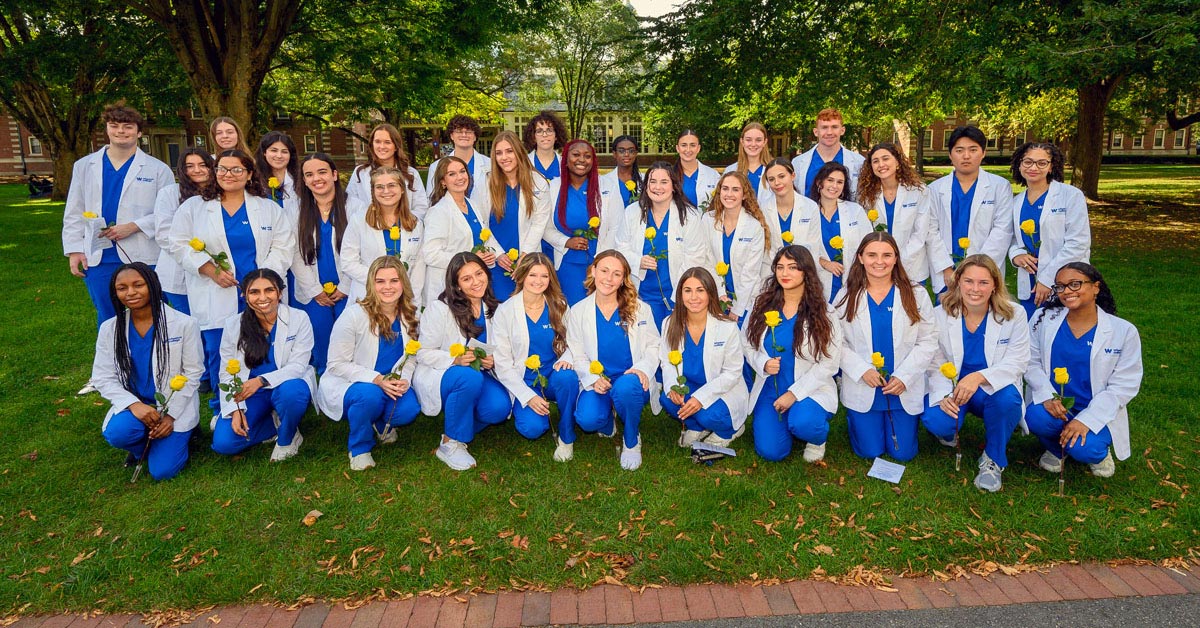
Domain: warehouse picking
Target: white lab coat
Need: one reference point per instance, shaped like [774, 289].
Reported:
[353, 350]
[509, 336]
[854, 227]
[913, 347]
[364, 244]
[746, 256]
[991, 226]
[292, 348]
[723, 362]
[582, 340]
[706, 186]
[1005, 347]
[447, 232]
[1065, 234]
[438, 332]
[761, 194]
[804, 211]
[611, 181]
[184, 357]
[170, 275]
[483, 166]
[291, 199]
[812, 376]
[612, 213]
[686, 246]
[915, 231]
[146, 176]
[359, 189]
[852, 160]
[308, 279]
[530, 228]
[1116, 372]
[274, 239]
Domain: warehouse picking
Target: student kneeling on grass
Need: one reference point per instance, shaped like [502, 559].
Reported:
[1086, 368]
[265, 354]
[145, 350]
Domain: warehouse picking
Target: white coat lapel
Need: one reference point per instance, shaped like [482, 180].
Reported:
[135, 170]
[1099, 367]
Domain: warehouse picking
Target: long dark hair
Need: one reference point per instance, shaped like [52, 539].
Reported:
[638, 182]
[308, 225]
[1104, 299]
[812, 317]
[678, 319]
[593, 183]
[255, 342]
[681, 201]
[260, 160]
[121, 355]
[1057, 161]
[856, 280]
[188, 189]
[253, 186]
[458, 302]
[815, 191]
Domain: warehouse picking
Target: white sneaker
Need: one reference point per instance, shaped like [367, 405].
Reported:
[1105, 468]
[952, 442]
[713, 439]
[455, 455]
[212, 423]
[1050, 462]
[387, 436]
[283, 452]
[814, 453]
[610, 434]
[564, 451]
[631, 459]
[361, 462]
[87, 389]
[687, 437]
[988, 478]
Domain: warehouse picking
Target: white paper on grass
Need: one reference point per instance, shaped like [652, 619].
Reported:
[886, 471]
[713, 448]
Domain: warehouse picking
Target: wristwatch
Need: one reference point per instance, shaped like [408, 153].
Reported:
[265, 383]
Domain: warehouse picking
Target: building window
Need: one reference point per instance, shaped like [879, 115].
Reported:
[362, 147]
[310, 143]
[283, 115]
[946, 138]
[1179, 137]
[35, 147]
[927, 139]
[519, 127]
[1159, 136]
[991, 143]
[601, 132]
[634, 130]
[1118, 140]
[198, 141]
[1139, 141]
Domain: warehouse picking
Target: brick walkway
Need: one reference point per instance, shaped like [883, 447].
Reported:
[610, 604]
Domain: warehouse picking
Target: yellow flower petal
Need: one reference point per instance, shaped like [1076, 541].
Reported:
[1028, 227]
[877, 360]
[90, 215]
[596, 368]
[631, 185]
[273, 183]
[233, 367]
[329, 287]
[513, 254]
[394, 233]
[594, 222]
[675, 358]
[412, 347]
[1061, 376]
[178, 382]
[786, 236]
[197, 245]
[650, 233]
[873, 215]
[456, 350]
[964, 243]
[948, 370]
[722, 269]
[533, 362]
[837, 242]
[485, 235]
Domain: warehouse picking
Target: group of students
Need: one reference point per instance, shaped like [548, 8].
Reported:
[525, 280]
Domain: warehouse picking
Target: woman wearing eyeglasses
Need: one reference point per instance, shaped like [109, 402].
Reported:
[544, 136]
[1086, 367]
[625, 178]
[1045, 240]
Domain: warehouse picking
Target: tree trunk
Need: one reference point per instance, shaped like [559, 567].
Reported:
[64, 163]
[919, 153]
[1087, 147]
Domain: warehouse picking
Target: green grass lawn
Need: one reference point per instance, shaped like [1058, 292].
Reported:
[76, 535]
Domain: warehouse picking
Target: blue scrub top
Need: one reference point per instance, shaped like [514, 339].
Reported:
[471, 171]
[1076, 355]
[829, 228]
[693, 362]
[613, 344]
[656, 285]
[481, 322]
[327, 270]
[112, 182]
[881, 341]
[889, 208]
[785, 334]
[390, 351]
[814, 166]
[785, 224]
[473, 223]
[726, 245]
[141, 350]
[960, 213]
[541, 344]
[1032, 211]
[577, 218]
[974, 353]
[506, 231]
[552, 172]
[755, 176]
[242, 247]
[689, 186]
[268, 365]
[626, 194]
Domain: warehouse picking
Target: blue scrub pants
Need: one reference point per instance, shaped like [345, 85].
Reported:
[594, 412]
[178, 302]
[472, 401]
[1030, 308]
[368, 409]
[322, 318]
[715, 418]
[773, 434]
[211, 340]
[571, 277]
[1047, 429]
[562, 387]
[871, 432]
[96, 279]
[502, 286]
[1001, 413]
[289, 400]
[167, 455]
[659, 306]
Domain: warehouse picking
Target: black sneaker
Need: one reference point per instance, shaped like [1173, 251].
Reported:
[130, 460]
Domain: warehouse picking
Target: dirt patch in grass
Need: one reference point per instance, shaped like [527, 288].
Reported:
[1152, 225]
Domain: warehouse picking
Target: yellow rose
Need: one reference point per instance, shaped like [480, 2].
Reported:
[394, 233]
[596, 368]
[197, 245]
[594, 222]
[1028, 227]
[675, 358]
[1061, 376]
[964, 243]
[233, 367]
[650, 233]
[273, 183]
[485, 235]
[877, 360]
[873, 215]
[786, 236]
[631, 185]
[533, 362]
[329, 288]
[722, 269]
[837, 242]
[456, 350]
[513, 254]
[178, 382]
[772, 318]
[412, 347]
[90, 215]
[948, 370]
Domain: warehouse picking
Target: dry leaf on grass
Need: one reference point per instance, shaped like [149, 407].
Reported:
[312, 517]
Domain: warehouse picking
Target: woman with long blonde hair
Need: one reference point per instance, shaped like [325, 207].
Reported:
[517, 210]
[388, 227]
[753, 156]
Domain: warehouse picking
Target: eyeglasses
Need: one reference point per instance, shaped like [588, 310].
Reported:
[625, 151]
[237, 170]
[1040, 164]
[544, 132]
[1073, 286]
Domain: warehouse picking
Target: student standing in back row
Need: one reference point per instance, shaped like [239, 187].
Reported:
[753, 156]
[699, 181]
[464, 131]
[387, 150]
[829, 131]
[544, 136]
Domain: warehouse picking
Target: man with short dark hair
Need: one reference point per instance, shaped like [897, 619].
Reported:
[464, 131]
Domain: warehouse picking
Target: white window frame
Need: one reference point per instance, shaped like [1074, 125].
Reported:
[1160, 138]
[198, 141]
[928, 139]
[310, 139]
[1118, 140]
[35, 146]
[1180, 137]
[1139, 140]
